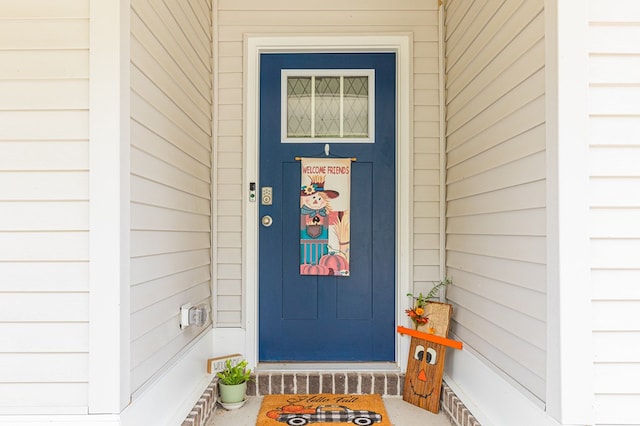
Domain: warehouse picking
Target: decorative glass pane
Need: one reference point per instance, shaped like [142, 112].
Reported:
[356, 107]
[327, 104]
[299, 107]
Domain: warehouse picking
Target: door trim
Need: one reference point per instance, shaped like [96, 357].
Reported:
[401, 44]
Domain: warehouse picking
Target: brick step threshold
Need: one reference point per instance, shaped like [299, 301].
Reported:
[385, 384]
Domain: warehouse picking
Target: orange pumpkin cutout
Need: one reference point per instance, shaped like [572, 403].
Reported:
[423, 381]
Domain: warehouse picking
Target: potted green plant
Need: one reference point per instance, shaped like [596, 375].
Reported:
[233, 383]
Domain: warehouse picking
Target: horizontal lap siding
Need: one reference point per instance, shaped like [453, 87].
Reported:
[236, 18]
[44, 101]
[496, 223]
[171, 106]
[614, 126]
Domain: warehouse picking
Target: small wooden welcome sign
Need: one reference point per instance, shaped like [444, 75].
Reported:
[216, 365]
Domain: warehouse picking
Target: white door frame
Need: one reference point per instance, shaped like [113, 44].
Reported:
[401, 44]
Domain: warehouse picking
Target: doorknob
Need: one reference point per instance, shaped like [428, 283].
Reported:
[266, 221]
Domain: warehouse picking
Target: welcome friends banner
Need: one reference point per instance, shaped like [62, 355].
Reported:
[325, 231]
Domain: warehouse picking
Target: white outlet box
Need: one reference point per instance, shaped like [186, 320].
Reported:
[184, 315]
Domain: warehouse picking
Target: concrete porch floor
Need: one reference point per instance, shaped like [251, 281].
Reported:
[400, 413]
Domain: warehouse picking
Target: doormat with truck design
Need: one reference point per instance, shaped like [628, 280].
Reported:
[322, 409]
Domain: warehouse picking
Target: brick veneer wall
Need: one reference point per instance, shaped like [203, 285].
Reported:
[385, 384]
[201, 412]
[455, 409]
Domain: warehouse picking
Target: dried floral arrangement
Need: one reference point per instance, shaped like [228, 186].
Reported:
[417, 312]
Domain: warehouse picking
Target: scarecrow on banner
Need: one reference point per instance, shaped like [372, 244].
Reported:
[324, 232]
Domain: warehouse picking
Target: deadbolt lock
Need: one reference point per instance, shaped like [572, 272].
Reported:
[267, 196]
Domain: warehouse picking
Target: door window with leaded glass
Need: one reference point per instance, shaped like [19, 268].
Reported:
[328, 106]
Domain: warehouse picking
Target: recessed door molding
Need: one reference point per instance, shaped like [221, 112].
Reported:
[254, 46]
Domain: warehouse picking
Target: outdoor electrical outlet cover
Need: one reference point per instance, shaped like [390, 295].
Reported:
[198, 315]
[184, 315]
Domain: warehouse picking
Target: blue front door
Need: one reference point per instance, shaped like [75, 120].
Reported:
[328, 318]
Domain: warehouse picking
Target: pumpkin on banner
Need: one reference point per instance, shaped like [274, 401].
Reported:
[337, 262]
[315, 270]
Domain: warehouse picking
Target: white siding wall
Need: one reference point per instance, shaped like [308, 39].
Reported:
[234, 19]
[496, 184]
[44, 102]
[614, 140]
[171, 107]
